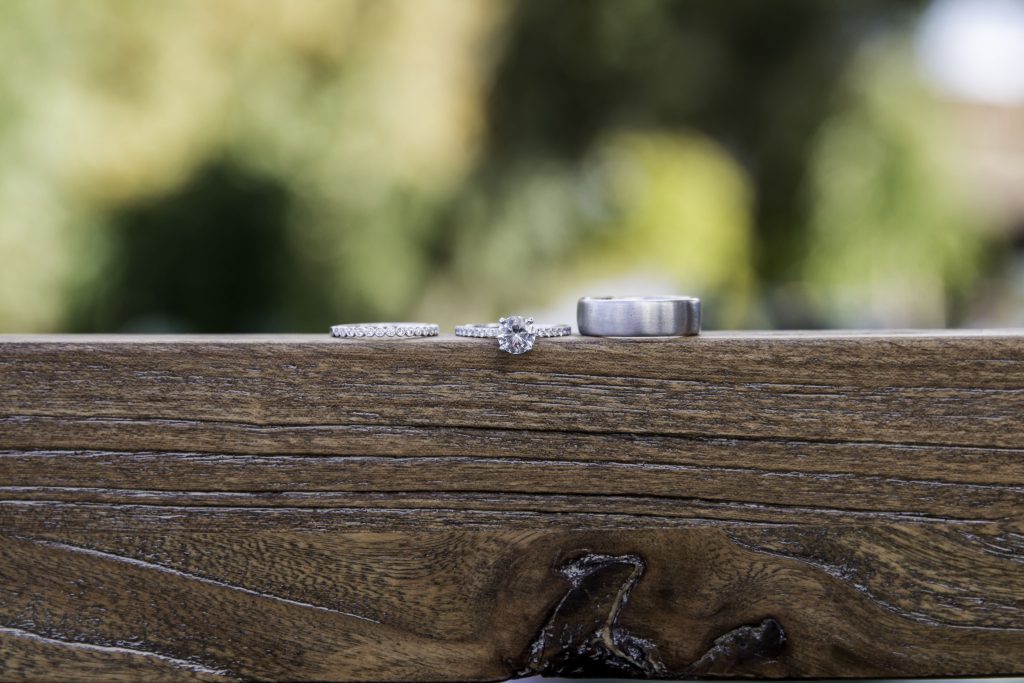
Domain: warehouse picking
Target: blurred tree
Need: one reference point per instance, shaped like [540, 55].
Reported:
[759, 77]
[357, 118]
[893, 237]
[210, 257]
[375, 159]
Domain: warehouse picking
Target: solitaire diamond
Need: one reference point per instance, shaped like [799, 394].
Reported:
[515, 334]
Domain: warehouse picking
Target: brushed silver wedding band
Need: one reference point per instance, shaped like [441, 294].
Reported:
[638, 316]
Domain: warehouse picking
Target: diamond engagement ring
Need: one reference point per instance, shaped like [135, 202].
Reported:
[385, 330]
[515, 334]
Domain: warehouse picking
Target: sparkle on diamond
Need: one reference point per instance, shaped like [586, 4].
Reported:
[516, 335]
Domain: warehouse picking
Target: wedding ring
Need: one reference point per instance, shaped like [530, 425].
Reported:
[638, 316]
[515, 334]
[385, 330]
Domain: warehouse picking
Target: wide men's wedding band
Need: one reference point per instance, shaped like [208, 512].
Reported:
[638, 316]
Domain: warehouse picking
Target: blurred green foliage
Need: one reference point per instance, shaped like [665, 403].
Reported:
[287, 164]
[891, 232]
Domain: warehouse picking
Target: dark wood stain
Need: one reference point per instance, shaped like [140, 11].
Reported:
[738, 648]
[582, 637]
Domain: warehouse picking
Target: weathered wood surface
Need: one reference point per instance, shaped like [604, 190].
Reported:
[792, 505]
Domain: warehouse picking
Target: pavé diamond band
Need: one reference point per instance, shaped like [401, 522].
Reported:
[385, 330]
[515, 334]
[638, 316]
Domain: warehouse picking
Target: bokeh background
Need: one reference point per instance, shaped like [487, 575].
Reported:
[283, 165]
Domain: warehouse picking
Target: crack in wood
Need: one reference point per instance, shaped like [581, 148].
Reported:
[170, 571]
[582, 636]
[183, 664]
[739, 647]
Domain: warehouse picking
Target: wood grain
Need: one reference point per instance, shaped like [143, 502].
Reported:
[285, 508]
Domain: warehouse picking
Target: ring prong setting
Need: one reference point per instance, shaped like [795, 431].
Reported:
[516, 334]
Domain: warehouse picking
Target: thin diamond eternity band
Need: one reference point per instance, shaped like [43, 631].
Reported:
[385, 330]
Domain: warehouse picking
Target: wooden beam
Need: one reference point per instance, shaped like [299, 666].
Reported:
[742, 504]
